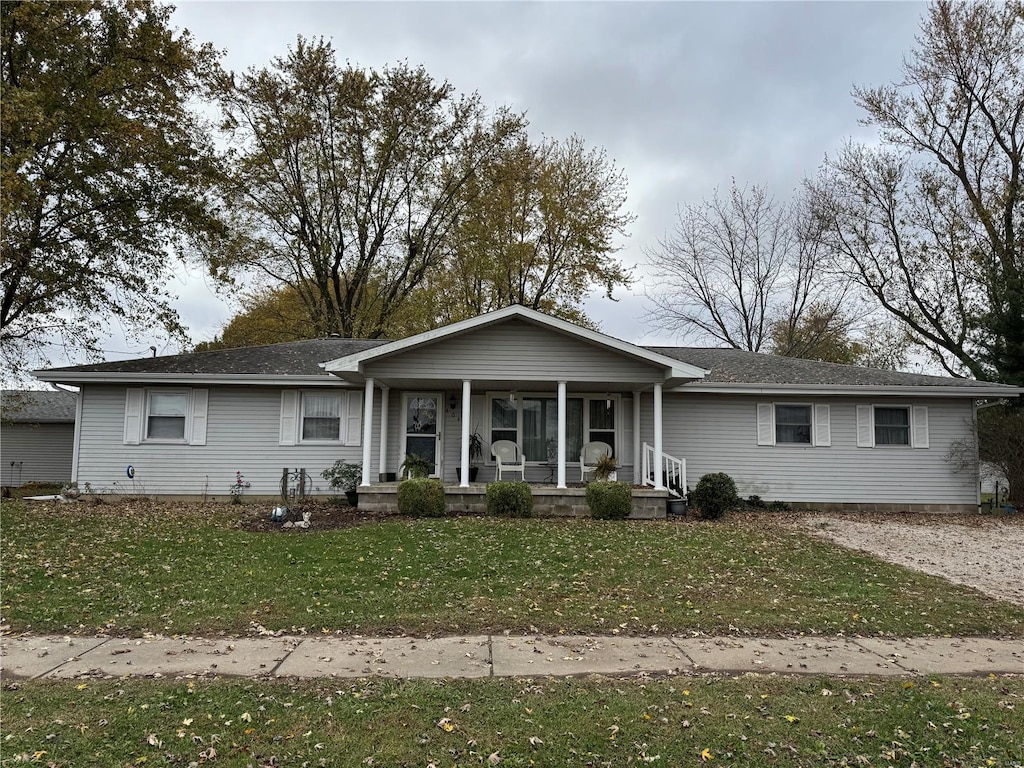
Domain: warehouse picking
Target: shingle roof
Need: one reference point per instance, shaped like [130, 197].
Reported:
[737, 366]
[291, 358]
[726, 366]
[36, 406]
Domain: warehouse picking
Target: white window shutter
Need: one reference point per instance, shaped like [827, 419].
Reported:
[354, 419]
[765, 424]
[200, 402]
[289, 416]
[822, 425]
[134, 401]
[919, 426]
[865, 429]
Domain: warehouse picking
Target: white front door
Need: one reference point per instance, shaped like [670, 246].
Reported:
[422, 431]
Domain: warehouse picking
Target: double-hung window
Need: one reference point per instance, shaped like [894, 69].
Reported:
[166, 415]
[319, 416]
[892, 425]
[793, 424]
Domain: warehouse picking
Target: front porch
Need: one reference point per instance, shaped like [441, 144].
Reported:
[548, 500]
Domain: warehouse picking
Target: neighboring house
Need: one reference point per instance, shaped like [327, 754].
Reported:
[786, 429]
[37, 436]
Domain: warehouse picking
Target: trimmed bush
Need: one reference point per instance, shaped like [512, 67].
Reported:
[509, 499]
[714, 495]
[421, 497]
[609, 501]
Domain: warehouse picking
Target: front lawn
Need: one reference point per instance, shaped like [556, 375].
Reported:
[748, 721]
[142, 566]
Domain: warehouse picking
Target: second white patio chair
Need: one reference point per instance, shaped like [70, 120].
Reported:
[589, 456]
[508, 457]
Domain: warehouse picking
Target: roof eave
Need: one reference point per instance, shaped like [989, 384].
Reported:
[126, 377]
[857, 390]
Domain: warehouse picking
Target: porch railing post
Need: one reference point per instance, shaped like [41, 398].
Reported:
[367, 431]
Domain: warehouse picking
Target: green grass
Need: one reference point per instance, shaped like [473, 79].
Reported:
[749, 721]
[138, 567]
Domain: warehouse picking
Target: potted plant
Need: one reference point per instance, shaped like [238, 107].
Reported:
[476, 453]
[605, 468]
[416, 466]
[345, 477]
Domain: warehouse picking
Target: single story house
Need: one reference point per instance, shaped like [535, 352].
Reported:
[37, 437]
[804, 432]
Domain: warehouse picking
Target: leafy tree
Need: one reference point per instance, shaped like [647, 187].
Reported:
[929, 222]
[831, 333]
[539, 230]
[346, 184]
[745, 271]
[106, 172]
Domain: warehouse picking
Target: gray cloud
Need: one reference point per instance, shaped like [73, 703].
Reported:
[684, 96]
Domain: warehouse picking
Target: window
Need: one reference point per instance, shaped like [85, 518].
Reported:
[165, 415]
[793, 424]
[892, 426]
[504, 420]
[321, 416]
[602, 423]
[532, 422]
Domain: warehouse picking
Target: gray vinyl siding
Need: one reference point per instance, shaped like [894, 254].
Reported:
[243, 430]
[719, 434]
[515, 350]
[38, 453]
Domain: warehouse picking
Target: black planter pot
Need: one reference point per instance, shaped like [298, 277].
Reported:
[353, 498]
[674, 506]
[473, 471]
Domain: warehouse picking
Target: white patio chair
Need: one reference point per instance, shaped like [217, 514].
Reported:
[590, 454]
[509, 457]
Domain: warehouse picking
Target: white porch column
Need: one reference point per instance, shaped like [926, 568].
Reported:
[382, 456]
[659, 470]
[367, 431]
[464, 458]
[638, 459]
[561, 434]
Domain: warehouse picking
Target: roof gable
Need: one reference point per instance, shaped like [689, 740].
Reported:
[675, 370]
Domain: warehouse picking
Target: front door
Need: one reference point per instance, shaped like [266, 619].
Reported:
[423, 429]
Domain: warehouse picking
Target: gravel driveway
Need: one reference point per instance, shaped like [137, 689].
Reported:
[981, 552]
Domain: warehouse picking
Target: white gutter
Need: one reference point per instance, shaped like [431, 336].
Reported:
[857, 390]
[122, 377]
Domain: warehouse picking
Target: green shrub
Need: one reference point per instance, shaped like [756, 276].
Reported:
[609, 501]
[421, 497]
[509, 499]
[714, 495]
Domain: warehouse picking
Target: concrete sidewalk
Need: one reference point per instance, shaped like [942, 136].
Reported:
[502, 656]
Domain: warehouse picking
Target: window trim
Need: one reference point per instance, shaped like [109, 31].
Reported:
[810, 443]
[584, 396]
[910, 426]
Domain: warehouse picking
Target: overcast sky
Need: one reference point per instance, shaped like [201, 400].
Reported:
[684, 96]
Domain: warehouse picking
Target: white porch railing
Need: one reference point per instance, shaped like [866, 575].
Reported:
[674, 471]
